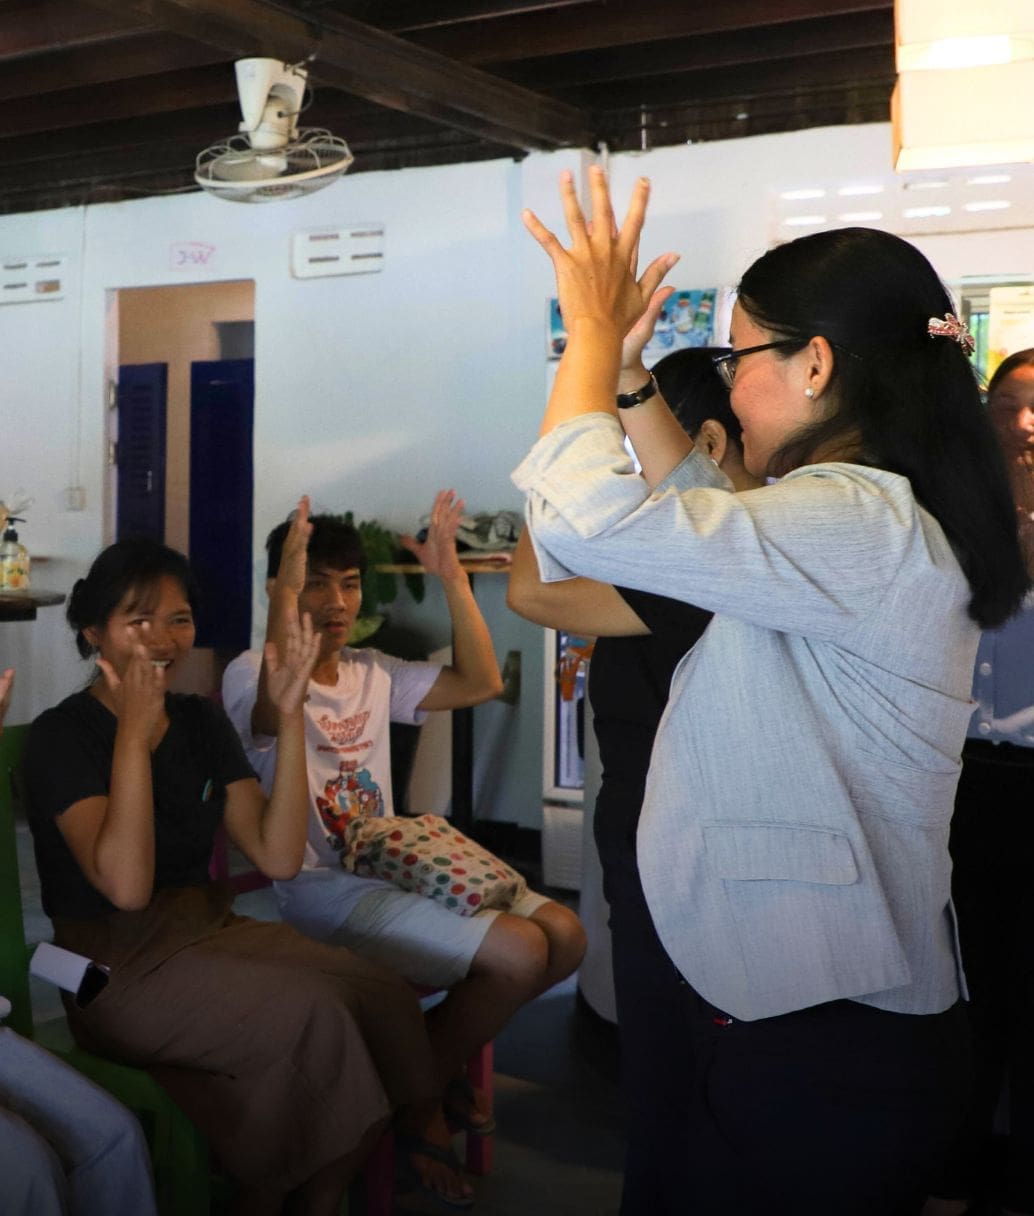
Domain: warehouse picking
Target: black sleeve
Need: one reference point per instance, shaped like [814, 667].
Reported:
[227, 761]
[66, 760]
[671, 621]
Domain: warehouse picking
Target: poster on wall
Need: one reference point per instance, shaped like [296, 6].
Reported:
[687, 319]
[1010, 324]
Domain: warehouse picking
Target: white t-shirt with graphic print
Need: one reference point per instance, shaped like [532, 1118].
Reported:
[348, 756]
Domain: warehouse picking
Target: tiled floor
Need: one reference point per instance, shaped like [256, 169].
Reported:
[559, 1145]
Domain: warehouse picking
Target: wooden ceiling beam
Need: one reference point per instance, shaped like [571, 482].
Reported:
[132, 55]
[47, 25]
[737, 48]
[132, 99]
[623, 23]
[786, 76]
[380, 67]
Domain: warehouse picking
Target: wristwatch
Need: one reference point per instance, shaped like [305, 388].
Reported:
[627, 401]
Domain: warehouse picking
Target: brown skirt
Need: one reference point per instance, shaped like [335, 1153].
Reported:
[282, 1050]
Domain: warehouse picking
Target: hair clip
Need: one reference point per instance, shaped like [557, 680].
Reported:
[952, 327]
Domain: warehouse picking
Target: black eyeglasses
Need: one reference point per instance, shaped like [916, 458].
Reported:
[725, 365]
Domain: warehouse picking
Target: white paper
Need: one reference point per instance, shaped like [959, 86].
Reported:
[60, 967]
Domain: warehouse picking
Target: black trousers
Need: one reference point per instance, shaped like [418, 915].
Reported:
[992, 846]
[838, 1110]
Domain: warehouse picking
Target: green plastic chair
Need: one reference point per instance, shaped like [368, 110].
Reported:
[178, 1150]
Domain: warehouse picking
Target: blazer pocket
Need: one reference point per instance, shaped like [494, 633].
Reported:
[753, 852]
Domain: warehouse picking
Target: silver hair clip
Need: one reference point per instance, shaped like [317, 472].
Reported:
[952, 327]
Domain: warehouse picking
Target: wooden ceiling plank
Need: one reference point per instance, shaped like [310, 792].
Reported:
[60, 24]
[687, 55]
[783, 76]
[131, 99]
[412, 15]
[133, 55]
[385, 69]
[623, 23]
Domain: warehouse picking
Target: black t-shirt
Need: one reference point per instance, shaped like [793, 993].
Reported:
[68, 758]
[629, 680]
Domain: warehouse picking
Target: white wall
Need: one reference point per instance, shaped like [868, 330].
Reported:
[374, 391]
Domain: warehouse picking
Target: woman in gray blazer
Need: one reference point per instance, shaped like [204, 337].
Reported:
[793, 838]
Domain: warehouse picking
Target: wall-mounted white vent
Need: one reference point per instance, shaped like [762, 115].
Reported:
[357, 249]
[34, 278]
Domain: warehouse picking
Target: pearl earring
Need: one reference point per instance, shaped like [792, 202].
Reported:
[809, 392]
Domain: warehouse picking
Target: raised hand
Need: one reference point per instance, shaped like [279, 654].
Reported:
[287, 672]
[290, 576]
[596, 276]
[138, 695]
[6, 684]
[437, 554]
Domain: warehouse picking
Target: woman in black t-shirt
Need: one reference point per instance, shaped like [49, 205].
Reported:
[640, 640]
[288, 1054]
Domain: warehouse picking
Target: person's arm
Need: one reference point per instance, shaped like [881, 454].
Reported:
[283, 613]
[473, 676]
[659, 439]
[6, 685]
[578, 605]
[112, 838]
[271, 832]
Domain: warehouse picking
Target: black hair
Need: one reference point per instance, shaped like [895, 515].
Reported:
[333, 542]
[906, 401]
[695, 392]
[1021, 358]
[133, 565]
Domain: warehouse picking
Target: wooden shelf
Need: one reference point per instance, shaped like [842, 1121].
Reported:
[22, 605]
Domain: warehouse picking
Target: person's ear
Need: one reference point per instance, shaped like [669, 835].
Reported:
[92, 636]
[713, 439]
[270, 582]
[819, 367]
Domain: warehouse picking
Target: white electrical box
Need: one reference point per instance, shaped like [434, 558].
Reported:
[357, 249]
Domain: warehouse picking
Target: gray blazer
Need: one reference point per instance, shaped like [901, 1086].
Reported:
[793, 839]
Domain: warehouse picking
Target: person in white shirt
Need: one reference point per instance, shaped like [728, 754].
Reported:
[491, 963]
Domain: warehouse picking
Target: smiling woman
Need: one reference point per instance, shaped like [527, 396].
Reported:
[127, 784]
[793, 837]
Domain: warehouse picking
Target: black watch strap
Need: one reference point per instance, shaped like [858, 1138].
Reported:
[627, 401]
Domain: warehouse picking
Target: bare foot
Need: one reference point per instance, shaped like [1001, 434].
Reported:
[468, 1107]
[424, 1138]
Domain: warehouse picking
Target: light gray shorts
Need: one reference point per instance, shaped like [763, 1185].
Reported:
[419, 939]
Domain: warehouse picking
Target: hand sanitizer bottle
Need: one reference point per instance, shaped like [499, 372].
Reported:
[14, 559]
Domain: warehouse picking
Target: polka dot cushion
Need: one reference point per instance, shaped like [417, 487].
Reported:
[427, 855]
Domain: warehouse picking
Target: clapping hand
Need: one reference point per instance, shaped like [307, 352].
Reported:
[596, 276]
[290, 576]
[138, 695]
[437, 553]
[287, 673]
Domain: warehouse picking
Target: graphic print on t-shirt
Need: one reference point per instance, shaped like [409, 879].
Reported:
[349, 795]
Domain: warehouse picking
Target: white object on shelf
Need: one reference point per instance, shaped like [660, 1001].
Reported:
[562, 846]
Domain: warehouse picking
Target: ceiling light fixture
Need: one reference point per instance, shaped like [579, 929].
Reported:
[965, 90]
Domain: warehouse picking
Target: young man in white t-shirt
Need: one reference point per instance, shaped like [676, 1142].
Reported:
[491, 963]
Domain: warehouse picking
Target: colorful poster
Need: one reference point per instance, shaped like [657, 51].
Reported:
[686, 320]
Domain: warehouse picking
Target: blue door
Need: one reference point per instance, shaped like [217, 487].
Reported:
[221, 499]
[140, 480]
